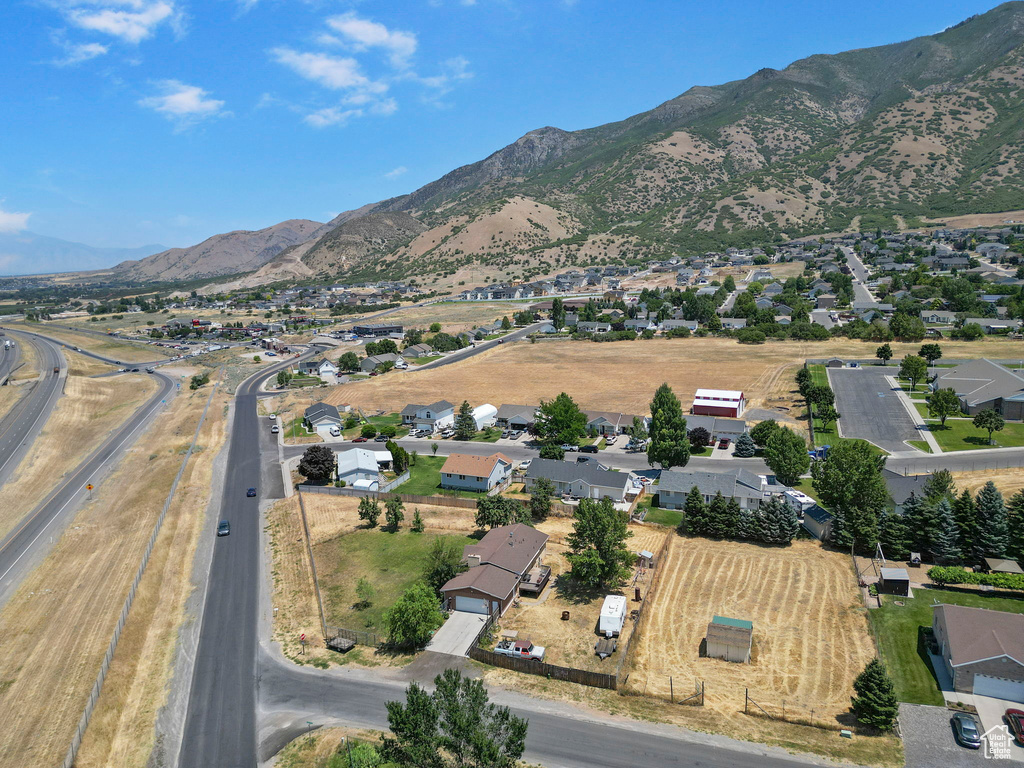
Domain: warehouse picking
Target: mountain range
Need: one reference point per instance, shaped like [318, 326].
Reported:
[22, 253]
[891, 136]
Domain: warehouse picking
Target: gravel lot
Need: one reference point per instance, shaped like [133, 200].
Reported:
[928, 740]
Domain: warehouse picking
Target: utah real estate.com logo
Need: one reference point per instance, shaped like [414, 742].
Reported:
[997, 742]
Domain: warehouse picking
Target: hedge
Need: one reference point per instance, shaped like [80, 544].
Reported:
[953, 575]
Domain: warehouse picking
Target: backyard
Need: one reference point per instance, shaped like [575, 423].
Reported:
[425, 479]
[897, 628]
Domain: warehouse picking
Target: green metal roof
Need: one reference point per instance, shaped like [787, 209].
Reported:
[741, 623]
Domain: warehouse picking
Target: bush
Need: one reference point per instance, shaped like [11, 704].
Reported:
[368, 430]
[750, 336]
[199, 380]
[947, 574]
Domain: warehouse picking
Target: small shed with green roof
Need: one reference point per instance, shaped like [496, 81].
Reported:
[729, 639]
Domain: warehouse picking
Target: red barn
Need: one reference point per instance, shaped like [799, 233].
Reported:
[718, 402]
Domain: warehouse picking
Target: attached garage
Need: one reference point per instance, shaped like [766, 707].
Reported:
[472, 604]
[999, 688]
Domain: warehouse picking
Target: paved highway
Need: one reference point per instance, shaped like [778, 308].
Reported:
[22, 549]
[8, 357]
[21, 425]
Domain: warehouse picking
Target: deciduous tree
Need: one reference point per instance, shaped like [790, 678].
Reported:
[369, 510]
[942, 404]
[761, 431]
[850, 484]
[597, 544]
[394, 512]
[318, 464]
[540, 498]
[930, 352]
[914, 369]
[884, 353]
[444, 563]
[560, 421]
[990, 421]
[413, 618]
[786, 455]
[495, 511]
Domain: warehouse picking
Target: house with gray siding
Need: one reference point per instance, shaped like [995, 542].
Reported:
[982, 385]
[581, 480]
[748, 489]
[982, 650]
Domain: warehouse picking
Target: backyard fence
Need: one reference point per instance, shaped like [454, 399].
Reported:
[550, 671]
[122, 619]
[359, 637]
[776, 707]
[641, 619]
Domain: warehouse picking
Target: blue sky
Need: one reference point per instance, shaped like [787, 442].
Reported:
[128, 122]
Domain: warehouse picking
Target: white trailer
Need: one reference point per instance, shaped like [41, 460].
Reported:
[613, 615]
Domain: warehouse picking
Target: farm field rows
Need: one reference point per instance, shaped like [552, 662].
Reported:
[811, 635]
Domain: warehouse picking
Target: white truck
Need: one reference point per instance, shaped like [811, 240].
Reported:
[613, 615]
[520, 649]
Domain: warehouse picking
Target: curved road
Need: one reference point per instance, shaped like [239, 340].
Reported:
[22, 549]
[233, 676]
[20, 427]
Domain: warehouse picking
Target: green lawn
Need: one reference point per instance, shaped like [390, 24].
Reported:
[295, 429]
[897, 630]
[425, 359]
[425, 479]
[486, 436]
[818, 375]
[921, 445]
[392, 562]
[387, 420]
[669, 517]
[304, 381]
[805, 487]
[961, 435]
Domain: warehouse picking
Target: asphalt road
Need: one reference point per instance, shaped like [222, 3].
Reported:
[860, 276]
[21, 549]
[22, 424]
[871, 408]
[463, 354]
[8, 357]
[220, 727]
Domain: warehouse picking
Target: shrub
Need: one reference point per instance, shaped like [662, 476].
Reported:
[944, 574]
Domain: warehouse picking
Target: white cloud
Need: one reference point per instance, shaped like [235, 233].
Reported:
[396, 172]
[362, 34]
[182, 104]
[324, 118]
[453, 70]
[330, 71]
[13, 222]
[76, 54]
[129, 20]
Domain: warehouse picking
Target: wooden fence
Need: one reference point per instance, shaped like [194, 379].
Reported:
[550, 671]
[641, 621]
[408, 498]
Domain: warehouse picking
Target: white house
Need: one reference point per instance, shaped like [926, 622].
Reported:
[322, 417]
[475, 473]
[434, 417]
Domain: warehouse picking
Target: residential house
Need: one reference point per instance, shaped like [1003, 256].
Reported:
[321, 417]
[418, 350]
[718, 427]
[734, 323]
[982, 650]
[609, 423]
[376, 330]
[593, 326]
[825, 301]
[581, 480]
[434, 417]
[772, 289]
[317, 368]
[994, 324]
[515, 416]
[371, 362]
[358, 468]
[506, 563]
[748, 489]
[938, 316]
[982, 385]
[464, 472]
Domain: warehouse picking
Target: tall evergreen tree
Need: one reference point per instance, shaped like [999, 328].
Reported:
[778, 522]
[875, 703]
[465, 424]
[914, 516]
[695, 514]
[731, 521]
[965, 514]
[938, 484]
[744, 446]
[718, 517]
[893, 534]
[991, 534]
[945, 548]
[1015, 524]
[747, 525]
[669, 446]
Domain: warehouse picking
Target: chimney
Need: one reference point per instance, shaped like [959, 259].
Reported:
[473, 560]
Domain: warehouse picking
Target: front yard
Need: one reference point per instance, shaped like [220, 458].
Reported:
[897, 628]
[962, 435]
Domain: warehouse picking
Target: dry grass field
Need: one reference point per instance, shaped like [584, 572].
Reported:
[87, 413]
[1008, 481]
[456, 316]
[620, 376]
[81, 365]
[72, 600]
[28, 362]
[101, 345]
[811, 636]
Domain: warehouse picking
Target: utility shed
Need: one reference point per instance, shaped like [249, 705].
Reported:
[895, 581]
[730, 639]
[999, 565]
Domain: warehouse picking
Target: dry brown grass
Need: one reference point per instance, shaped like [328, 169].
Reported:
[456, 316]
[103, 345]
[84, 417]
[811, 636]
[71, 602]
[1008, 481]
[80, 365]
[331, 516]
[28, 361]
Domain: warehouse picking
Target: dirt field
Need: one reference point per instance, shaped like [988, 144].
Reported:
[1008, 481]
[457, 316]
[74, 597]
[28, 362]
[101, 345]
[811, 636]
[87, 413]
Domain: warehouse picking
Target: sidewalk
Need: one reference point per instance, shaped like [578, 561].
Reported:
[919, 422]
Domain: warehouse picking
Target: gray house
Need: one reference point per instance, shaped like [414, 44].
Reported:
[580, 480]
[433, 417]
[719, 426]
[748, 489]
[982, 385]
[321, 417]
[512, 416]
[475, 473]
[982, 650]
[370, 363]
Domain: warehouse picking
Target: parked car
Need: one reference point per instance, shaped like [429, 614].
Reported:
[569, 448]
[506, 433]
[381, 439]
[723, 443]
[335, 432]
[359, 439]
[1015, 721]
[516, 433]
[967, 730]
[525, 465]
[520, 649]
[251, 492]
[610, 439]
[275, 429]
[588, 449]
[224, 528]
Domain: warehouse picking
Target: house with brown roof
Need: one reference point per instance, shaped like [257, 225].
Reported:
[505, 564]
[463, 472]
[982, 650]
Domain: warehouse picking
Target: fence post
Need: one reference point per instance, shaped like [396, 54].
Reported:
[671, 691]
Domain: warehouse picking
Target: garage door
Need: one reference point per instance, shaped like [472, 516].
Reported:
[999, 688]
[472, 604]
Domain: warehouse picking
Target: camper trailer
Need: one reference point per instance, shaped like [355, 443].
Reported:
[613, 615]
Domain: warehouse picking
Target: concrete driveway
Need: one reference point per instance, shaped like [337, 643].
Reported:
[457, 634]
[870, 409]
[990, 712]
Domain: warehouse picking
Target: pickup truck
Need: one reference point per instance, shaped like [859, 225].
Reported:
[520, 649]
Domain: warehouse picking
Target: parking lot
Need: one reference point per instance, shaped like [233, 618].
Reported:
[871, 409]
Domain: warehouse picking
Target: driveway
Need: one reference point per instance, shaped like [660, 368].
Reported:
[990, 712]
[928, 740]
[457, 634]
[870, 409]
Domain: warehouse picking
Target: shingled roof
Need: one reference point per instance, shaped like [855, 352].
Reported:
[509, 547]
[473, 466]
[975, 634]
